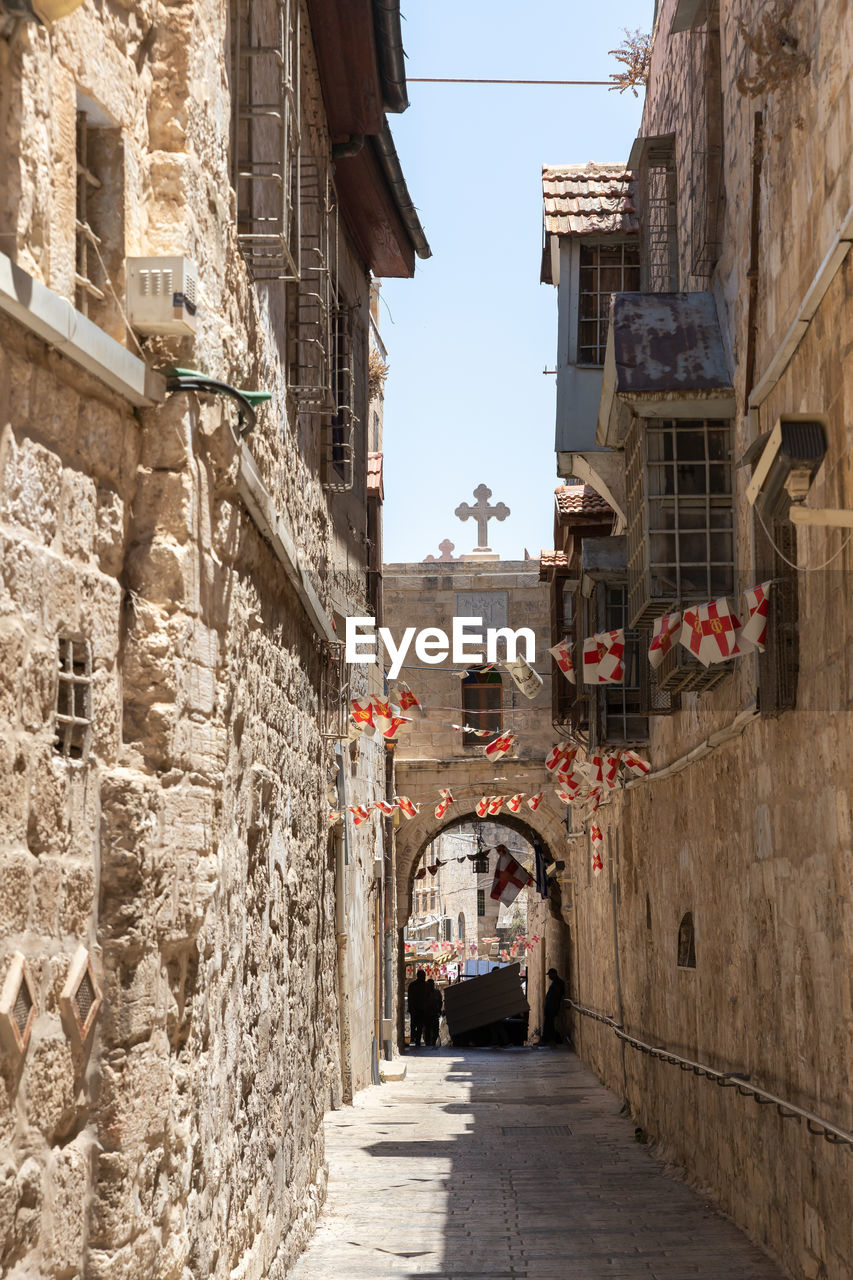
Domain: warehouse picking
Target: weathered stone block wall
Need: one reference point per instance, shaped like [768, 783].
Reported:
[754, 840]
[189, 852]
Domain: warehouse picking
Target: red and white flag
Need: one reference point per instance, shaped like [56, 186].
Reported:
[611, 769]
[360, 813]
[562, 655]
[444, 804]
[535, 801]
[496, 803]
[514, 802]
[602, 658]
[510, 877]
[566, 797]
[482, 806]
[384, 807]
[596, 765]
[402, 695]
[382, 713]
[362, 712]
[635, 764]
[708, 631]
[394, 725]
[501, 746]
[560, 758]
[597, 847]
[526, 679]
[407, 807]
[664, 636]
[754, 630]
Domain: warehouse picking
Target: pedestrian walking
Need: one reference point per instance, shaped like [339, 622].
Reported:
[553, 1004]
[417, 1008]
[433, 1013]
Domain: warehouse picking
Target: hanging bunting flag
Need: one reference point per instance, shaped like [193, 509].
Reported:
[708, 632]
[335, 816]
[472, 948]
[482, 806]
[510, 877]
[496, 803]
[382, 713]
[602, 658]
[384, 807]
[525, 678]
[536, 937]
[441, 809]
[362, 713]
[596, 766]
[562, 654]
[754, 630]
[635, 764]
[566, 797]
[395, 725]
[597, 846]
[664, 636]
[501, 746]
[400, 693]
[560, 757]
[468, 728]
[611, 769]
[535, 801]
[406, 807]
[504, 956]
[446, 795]
[514, 803]
[435, 866]
[419, 875]
[597, 864]
[360, 813]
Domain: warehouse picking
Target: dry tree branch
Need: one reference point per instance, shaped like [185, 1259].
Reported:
[636, 54]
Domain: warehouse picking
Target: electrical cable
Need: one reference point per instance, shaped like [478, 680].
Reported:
[800, 568]
[457, 80]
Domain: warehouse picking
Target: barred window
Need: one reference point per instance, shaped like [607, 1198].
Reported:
[680, 522]
[661, 218]
[482, 698]
[604, 269]
[481, 902]
[617, 712]
[73, 699]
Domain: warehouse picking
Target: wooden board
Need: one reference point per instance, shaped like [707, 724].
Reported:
[476, 1002]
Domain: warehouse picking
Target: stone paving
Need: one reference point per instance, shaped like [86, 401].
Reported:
[491, 1164]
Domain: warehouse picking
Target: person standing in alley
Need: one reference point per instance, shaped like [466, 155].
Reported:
[553, 1004]
[433, 1013]
[417, 996]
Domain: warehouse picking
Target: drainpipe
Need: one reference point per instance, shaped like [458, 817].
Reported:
[752, 273]
[341, 939]
[388, 909]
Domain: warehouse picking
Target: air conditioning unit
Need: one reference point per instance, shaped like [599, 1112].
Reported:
[162, 295]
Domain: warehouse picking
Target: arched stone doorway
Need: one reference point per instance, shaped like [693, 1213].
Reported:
[544, 826]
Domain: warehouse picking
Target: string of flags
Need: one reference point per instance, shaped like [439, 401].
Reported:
[711, 632]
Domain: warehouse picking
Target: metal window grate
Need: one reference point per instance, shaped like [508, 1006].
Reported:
[84, 997]
[22, 1008]
[340, 430]
[706, 143]
[265, 145]
[779, 664]
[312, 351]
[86, 259]
[661, 220]
[604, 269]
[73, 699]
[481, 902]
[616, 714]
[680, 537]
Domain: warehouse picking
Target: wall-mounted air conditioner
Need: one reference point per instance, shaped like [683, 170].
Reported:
[162, 295]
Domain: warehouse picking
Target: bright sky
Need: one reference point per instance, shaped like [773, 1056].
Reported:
[466, 400]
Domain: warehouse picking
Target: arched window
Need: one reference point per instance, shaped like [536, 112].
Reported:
[460, 928]
[482, 695]
[686, 942]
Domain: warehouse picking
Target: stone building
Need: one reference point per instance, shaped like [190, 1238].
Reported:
[715, 933]
[201, 188]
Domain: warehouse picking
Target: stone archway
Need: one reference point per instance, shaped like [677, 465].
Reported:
[545, 824]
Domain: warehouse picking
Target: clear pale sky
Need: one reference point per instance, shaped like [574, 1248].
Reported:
[466, 401]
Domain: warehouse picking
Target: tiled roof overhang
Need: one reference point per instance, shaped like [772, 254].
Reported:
[584, 200]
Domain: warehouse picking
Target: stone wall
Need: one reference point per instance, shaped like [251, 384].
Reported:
[187, 849]
[754, 839]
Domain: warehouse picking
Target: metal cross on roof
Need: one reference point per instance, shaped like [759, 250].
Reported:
[482, 513]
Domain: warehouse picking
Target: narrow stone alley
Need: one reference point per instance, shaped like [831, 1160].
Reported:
[509, 1163]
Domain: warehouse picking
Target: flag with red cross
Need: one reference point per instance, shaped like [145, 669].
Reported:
[602, 657]
[708, 631]
[510, 877]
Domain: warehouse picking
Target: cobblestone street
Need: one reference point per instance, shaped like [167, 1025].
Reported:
[515, 1163]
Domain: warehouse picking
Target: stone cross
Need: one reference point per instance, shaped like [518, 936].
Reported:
[445, 548]
[482, 513]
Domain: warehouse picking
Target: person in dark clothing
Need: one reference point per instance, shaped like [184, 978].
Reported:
[433, 1013]
[553, 1004]
[417, 995]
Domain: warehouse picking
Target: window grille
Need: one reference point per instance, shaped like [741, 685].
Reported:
[340, 430]
[482, 699]
[655, 700]
[686, 943]
[604, 269]
[481, 902]
[680, 534]
[87, 266]
[616, 711]
[312, 351]
[778, 665]
[74, 699]
[334, 695]
[481, 865]
[265, 153]
[661, 218]
[18, 1005]
[706, 147]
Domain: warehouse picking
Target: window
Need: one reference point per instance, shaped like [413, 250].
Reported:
[446, 930]
[87, 267]
[339, 463]
[616, 712]
[481, 865]
[460, 927]
[99, 216]
[482, 697]
[686, 943]
[481, 902]
[73, 699]
[660, 216]
[313, 303]
[265, 134]
[680, 532]
[779, 664]
[604, 269]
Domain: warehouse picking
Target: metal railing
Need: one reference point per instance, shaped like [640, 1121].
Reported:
[815, 1124]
